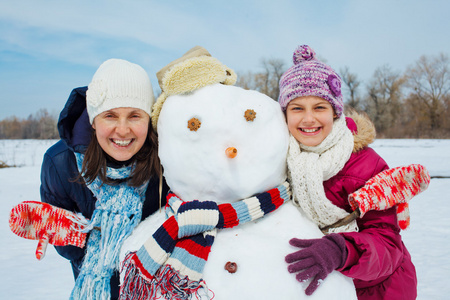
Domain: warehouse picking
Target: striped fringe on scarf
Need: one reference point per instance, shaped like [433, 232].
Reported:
[171, 261]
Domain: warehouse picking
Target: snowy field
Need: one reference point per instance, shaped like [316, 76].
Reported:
[22, 276]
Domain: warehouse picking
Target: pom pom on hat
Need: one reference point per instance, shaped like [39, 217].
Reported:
[119, 83]
[302, 54]
[310, 77]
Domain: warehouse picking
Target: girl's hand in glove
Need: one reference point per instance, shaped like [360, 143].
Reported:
[316, 259]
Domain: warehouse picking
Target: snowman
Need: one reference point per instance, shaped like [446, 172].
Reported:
[220, 144]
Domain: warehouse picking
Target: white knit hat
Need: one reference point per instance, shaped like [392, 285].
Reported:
[119, 83]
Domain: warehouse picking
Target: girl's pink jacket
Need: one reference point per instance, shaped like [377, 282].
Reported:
[378, 261]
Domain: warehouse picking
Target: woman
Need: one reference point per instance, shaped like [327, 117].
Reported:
[106, 167]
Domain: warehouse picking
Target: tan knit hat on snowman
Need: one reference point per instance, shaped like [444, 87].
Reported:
[119, 83]
[194, 70]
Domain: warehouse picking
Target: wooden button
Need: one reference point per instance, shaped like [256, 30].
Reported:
[231, 267]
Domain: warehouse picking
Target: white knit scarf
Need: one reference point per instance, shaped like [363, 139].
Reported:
[309, 167]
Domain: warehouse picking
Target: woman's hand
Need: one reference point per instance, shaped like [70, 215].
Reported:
[47, 223]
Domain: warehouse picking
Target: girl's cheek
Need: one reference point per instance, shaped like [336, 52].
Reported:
[291, 119]
[292, 129]
[288, 117]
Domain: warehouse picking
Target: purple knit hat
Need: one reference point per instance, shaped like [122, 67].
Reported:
[310, 77]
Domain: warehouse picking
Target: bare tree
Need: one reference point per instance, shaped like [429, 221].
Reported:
[383, 102]
[352, 84]
[267, 81]
[10, 128]
[30, 128]
[429, 83]
[246, 80]
[47, 125]
[273, 70]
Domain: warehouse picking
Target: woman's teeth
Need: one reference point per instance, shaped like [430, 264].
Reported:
[122, 143]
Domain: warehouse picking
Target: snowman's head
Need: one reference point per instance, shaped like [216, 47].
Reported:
[222, 143]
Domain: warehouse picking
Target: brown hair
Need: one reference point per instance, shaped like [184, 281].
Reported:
[146, 162]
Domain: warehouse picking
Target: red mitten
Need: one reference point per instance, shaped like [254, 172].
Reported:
[49, 224]
[395, 186]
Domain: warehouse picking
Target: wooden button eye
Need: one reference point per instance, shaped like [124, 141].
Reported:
[250, 115]
[194, 124]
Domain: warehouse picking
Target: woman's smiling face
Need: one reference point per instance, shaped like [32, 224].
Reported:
[121, 132]
[310, 119]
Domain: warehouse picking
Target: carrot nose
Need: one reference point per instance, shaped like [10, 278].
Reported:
[231, 152]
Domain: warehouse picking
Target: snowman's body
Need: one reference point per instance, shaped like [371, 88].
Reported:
[194, 132]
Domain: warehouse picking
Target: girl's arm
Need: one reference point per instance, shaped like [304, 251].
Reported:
[377, 249]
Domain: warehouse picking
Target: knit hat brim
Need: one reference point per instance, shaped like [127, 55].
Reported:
[119, 83]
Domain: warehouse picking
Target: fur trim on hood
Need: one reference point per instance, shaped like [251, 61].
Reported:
[366, 130]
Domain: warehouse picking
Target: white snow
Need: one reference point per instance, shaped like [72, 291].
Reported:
[22, 276]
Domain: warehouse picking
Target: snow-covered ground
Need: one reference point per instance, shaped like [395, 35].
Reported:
[22, 276]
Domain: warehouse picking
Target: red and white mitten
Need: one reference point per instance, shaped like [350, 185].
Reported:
[395, 186]
[49, 224]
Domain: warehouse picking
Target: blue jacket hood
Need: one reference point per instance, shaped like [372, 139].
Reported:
[73, 125]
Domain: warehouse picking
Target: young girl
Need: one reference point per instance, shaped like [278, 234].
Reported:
[329, 159]
[106, 167]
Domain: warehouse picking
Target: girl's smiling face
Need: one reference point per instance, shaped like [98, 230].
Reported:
[310, 119]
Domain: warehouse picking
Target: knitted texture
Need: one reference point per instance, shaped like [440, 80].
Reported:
[49, 224]
[316, 259]
[181, 246]
[188, 74]
[191, 53]
[119, 83]
[118, 210]
[309, 167]
[310, 77]
[395, 186]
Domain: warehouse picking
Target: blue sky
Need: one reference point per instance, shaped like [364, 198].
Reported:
[47, 49]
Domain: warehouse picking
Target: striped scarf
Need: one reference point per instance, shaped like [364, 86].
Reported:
[118, 210]
[172, 260]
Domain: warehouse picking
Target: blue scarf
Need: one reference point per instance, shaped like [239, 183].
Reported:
[118, 210]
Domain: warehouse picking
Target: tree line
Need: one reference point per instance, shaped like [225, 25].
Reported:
[410, 104]
[40, 125]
